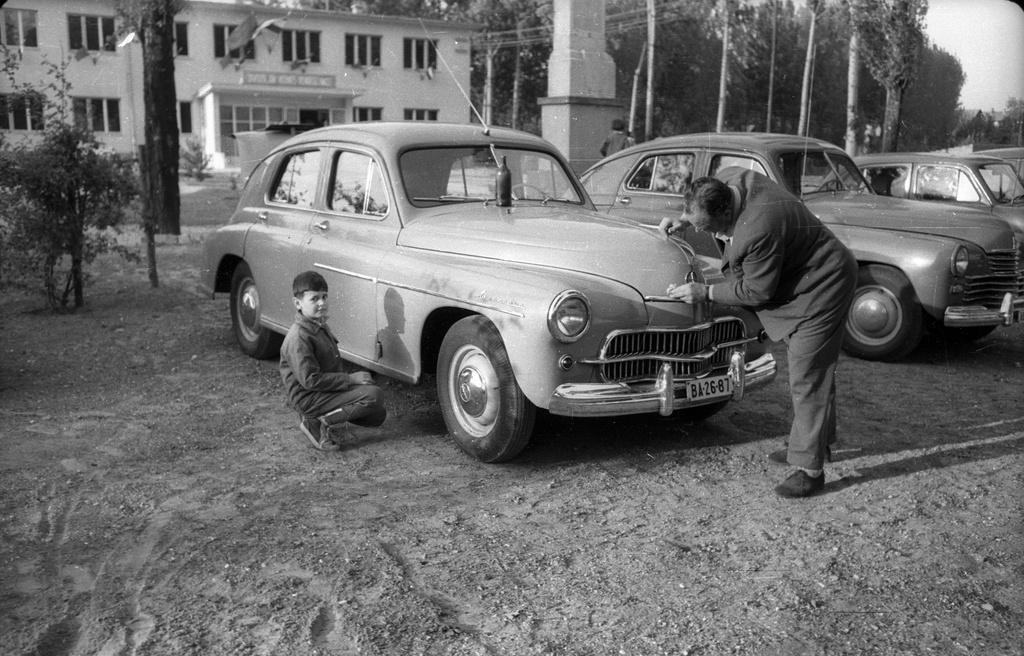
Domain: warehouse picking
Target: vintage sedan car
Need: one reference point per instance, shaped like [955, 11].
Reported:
[922, 265]
[517, 295]
[980, 181]
[1014, 155]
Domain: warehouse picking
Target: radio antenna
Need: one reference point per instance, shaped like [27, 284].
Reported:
[487, 128]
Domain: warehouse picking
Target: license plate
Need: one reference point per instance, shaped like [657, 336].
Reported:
[708, 388]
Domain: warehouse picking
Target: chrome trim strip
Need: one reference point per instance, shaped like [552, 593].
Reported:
[388, 283]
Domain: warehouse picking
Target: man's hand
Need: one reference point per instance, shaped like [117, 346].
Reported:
[361, 378]
[670, 225]
[691, 292]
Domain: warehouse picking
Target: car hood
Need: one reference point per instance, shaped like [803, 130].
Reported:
[923, 217]
[557, 237]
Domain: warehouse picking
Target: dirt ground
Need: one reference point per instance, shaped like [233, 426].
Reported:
[156, 497]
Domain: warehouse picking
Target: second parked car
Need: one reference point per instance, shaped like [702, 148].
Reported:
[953, 267]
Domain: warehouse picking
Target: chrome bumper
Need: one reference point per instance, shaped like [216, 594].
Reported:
[611, 399]
[964, 316]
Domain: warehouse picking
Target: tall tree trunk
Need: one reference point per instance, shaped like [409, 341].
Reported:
[805, 93]
[161, 115]
[723, 78]
[852, 84]
[517, 79]
[893, 113]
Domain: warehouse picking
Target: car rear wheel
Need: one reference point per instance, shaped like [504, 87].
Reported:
[486, 413]
[884, 322]
[255, 340]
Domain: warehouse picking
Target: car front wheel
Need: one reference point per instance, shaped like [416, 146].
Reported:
[486, 413]
[884, 322]
[255, 340]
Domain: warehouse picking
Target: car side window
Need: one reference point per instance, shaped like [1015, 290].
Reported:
[357, 185]
[888, 180]
[669, 173]
[296, 184]
[719, 162]
[938, 183]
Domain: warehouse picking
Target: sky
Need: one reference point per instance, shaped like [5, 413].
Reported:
[987, 36]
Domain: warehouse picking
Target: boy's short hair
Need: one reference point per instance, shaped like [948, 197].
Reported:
[618, 124]
[308, 281]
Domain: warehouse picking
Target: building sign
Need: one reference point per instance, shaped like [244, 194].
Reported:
[289, 80]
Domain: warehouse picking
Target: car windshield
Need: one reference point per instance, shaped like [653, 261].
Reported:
[434, 176]
[808, 171]
[1003, 182]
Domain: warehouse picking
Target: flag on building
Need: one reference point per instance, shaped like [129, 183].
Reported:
[242, 34]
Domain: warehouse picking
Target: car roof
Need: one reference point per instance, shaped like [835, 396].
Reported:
[926, 158]
[392, 135]
[1016, 151]
[741, 140]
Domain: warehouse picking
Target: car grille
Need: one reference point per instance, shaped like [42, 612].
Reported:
[1007, 275]
[631, 356]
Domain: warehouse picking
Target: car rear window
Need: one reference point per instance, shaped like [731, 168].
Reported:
[296, 182]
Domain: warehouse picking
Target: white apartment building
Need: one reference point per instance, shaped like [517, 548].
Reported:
[299, 66]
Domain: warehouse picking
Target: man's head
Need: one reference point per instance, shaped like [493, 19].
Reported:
[309, 291]
[618, 125]
[707, 206]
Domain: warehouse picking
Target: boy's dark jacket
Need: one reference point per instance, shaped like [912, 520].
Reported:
[311, 366]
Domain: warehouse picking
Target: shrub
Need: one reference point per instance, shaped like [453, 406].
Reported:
[194, 160]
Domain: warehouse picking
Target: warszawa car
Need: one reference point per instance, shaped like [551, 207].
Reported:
[1013, 154]
[509, 286]
[922, 265]
[980, 181]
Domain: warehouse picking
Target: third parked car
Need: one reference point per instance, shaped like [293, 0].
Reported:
[980, 181]
[956, 268]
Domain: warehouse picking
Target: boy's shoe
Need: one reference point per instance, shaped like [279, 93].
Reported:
[318, 435]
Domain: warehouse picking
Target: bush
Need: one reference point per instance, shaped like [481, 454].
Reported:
[194, 160]
[64, 200]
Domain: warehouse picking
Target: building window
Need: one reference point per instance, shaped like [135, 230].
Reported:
[97, 114]
[419, 53]
[300, 45]
[361, 114]
[90, 32]
[181, 39]
[421, 114]
[20, 28]
[185, 117]
[20, 113]
[362, 50]
[220, 44]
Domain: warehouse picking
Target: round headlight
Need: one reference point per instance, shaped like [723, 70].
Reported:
[569, 316]
[959, 261]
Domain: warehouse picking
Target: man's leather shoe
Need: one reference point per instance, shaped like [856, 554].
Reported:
[779, 457]
[799, 484]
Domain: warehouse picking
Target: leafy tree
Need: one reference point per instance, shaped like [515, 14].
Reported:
[64, 198]
[892, 40]
[932, 106]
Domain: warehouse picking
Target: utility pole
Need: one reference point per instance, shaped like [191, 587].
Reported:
[771, 66]
[636, 81]
[649, 125]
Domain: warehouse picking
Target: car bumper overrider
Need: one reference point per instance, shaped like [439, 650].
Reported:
[664, 395]
[1011, 311]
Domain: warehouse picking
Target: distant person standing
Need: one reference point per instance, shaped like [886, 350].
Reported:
[617, 139]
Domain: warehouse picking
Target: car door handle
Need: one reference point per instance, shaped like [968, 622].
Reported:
[322, 226]
[262, 216]
[624, 200]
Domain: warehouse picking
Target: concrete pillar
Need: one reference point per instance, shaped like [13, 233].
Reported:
[581, 103]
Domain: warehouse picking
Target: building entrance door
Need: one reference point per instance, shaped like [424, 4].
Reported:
[317, 117]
